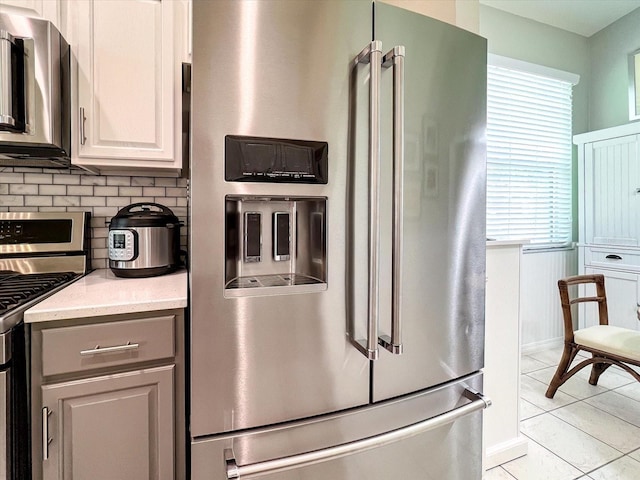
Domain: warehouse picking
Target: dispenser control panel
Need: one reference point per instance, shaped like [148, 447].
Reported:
[281, 236]
[258, 159]
[252, 236]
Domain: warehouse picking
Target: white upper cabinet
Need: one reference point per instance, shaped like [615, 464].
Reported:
[609, 186]
[47, 9]
[126, 107]
[612, 192]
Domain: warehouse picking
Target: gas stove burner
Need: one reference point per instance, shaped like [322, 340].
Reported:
[17, 288]
[40, 253]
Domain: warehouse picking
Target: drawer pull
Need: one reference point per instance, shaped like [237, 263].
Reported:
[614, 257]
[118, 348]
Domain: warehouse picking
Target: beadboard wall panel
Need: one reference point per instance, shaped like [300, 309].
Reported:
[541, 314]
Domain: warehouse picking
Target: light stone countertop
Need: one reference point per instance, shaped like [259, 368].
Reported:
[102, 293]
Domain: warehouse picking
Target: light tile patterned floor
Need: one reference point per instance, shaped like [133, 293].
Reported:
[585, 432]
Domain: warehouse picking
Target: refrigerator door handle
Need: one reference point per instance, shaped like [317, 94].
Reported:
[372, 54]
[235, 471]
[395, 58]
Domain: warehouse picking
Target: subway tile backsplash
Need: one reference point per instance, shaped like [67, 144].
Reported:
[63, 190]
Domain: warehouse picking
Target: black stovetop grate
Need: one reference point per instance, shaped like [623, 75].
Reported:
[19, 288]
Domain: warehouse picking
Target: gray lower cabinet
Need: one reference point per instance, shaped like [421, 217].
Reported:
[108, 398]
[110, 427]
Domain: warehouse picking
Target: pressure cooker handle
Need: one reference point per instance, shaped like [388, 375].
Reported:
[128, 208]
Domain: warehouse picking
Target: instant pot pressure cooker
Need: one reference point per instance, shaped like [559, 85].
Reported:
[144, 241]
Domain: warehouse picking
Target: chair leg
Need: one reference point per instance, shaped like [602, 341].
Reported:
[568, 354]
[596, 371]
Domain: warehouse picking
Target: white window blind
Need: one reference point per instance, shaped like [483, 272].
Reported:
[528, 157]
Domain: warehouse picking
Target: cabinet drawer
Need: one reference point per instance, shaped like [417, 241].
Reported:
[612, 258]
[87, 347]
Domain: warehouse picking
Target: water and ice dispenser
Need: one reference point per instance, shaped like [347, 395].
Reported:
[274, 243]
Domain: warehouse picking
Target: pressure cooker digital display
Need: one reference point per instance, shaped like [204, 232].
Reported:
[118, 240]
[122, 245]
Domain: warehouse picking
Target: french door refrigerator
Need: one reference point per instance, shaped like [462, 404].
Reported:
[337, 242]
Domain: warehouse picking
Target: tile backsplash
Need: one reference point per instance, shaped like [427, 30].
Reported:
[63, 190]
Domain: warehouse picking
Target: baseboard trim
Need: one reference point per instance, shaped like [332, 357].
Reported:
[506, 451]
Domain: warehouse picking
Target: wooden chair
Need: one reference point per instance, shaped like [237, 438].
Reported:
[607, 344]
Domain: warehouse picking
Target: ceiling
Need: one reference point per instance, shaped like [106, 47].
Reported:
[584, 17]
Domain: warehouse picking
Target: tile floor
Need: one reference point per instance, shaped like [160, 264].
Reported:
[584, 432]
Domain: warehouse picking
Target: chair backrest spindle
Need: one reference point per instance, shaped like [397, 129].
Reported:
[566, 301]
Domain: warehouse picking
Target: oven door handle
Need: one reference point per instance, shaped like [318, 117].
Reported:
[235, 471]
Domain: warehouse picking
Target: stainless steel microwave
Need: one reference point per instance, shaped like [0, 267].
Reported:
[35, 126]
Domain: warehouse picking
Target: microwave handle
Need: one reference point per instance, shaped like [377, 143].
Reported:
[81, 121]
[6, 87]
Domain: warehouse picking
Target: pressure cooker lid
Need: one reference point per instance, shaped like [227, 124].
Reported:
[144, 214]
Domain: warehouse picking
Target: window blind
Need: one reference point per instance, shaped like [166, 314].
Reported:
[528, 157]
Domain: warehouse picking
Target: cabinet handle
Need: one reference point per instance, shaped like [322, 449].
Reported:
[614, 257]
[83, 119]
[118, 348]
[45, 433]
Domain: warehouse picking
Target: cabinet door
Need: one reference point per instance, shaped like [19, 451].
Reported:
[47, 9]
[111, 427]
[128, 84]
[622, 300]
[612, 200]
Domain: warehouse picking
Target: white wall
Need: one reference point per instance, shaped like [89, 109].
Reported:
[523, 39]
[463, 13]
[608, 98]
[444, 10]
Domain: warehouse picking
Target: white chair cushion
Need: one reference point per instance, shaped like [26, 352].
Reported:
[607, 338]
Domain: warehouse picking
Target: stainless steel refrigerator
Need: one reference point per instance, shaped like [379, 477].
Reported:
[337, 242]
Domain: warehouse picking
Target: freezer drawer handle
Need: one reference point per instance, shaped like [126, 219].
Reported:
[115, 349]
[235, 471]
[395, 58]
[372, 54]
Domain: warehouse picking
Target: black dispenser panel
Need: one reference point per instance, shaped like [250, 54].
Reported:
[257, 159]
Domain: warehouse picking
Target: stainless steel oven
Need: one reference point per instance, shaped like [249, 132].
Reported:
[40, 253]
